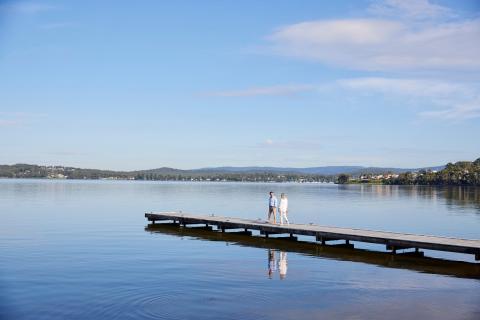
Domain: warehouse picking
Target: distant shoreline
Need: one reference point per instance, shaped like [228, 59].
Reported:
[186, 181]
[247, 182]
[459, 173]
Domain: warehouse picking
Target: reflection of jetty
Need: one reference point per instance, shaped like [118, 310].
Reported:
[393, 241]
[385, 259]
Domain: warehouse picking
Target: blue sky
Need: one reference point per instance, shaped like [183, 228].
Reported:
[187, 84]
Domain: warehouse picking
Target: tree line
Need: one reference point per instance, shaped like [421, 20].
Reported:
[459, 173]
[462, 173]
[60, 172]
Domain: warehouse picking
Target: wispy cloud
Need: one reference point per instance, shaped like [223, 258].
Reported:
[411, 87]
[443, 99]
[65, 153]
[465, 110]
[373, 44]
[454, 101]
[22, 114]
[397, 38]
[57, 25]
[8, 123]
[26, 7]
[283, 90]
[417, 9]
[15, 119]
[288, 144]
[404, 37]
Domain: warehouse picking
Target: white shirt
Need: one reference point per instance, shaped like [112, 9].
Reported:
[283, 204]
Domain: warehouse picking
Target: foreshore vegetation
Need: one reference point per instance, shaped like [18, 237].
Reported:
[462, 173]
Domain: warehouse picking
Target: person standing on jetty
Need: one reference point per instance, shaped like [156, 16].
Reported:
[283, 208]
[272, 207]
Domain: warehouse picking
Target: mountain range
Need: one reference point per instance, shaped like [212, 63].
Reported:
[324, 170]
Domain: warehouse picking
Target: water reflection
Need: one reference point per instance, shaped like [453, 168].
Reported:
[277, 249]
[277, 261]
[282, 265]
[52, 231]
[463, 196]
[271, 263]
[456, 196]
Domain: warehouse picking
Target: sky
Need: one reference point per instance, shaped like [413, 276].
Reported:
[188, 84]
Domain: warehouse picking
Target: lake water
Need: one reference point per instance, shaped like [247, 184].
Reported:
[80, 250]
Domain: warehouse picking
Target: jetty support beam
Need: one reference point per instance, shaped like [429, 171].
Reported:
[223, 228]
[268, 233]
[243, 232]
[207, 227]
[394, 249]
[324, 239]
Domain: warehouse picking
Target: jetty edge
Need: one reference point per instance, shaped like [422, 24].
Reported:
[323, 234]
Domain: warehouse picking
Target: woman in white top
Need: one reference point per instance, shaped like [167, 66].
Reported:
[283, 208]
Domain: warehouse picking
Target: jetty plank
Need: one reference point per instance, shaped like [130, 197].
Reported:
[390, 239]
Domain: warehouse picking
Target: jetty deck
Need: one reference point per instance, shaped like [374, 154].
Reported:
[392, 240]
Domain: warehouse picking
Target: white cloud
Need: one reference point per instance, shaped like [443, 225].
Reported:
[285, 90]
[22, 114]
[412, 87]
[8, 123]
[465, 110]
[269, 142]
[454, 101]
[406, 35]
[302, 144]
[25, 7]
[56, 25]
[383, 45]
[449, 100]
[15, 119]
[417, 9]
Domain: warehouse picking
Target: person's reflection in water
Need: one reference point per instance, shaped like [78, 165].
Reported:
[271, 263]
[282, 265]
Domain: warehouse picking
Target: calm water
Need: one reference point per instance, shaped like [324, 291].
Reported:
[79, 250]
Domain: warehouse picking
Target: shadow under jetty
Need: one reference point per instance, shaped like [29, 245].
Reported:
[414, 262]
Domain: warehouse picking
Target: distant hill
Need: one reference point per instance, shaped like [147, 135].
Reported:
[162, 170]
[268, 174]
[326, 170]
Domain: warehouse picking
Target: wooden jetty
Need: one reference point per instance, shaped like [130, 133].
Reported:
[323, 234]
[415, 262]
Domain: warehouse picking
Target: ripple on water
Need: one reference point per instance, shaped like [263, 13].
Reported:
[175, 301]
[136, 303]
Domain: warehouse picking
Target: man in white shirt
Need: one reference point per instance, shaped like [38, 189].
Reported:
[272, 207]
